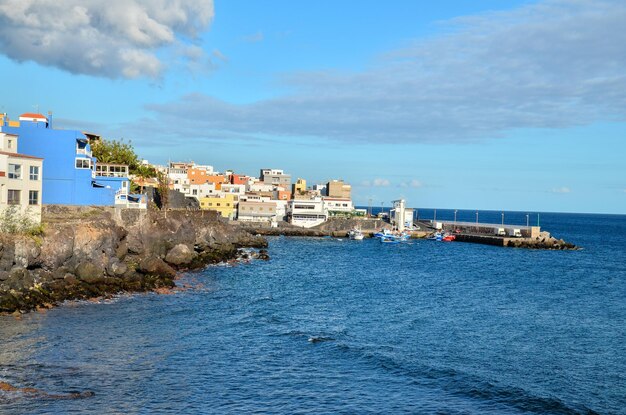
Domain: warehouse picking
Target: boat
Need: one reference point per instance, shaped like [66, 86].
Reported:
[355, 234]
[394, 237]
[389, 240]
[442, 236]
[383, 233]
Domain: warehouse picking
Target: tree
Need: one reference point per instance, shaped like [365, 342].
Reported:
[163, 190]
[113, 151]
[121, 152]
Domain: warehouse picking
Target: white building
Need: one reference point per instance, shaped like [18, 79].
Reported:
[397, 214]
[307, 213]
[248, 211]
[20, 179]
[336, 205]
[261, 187]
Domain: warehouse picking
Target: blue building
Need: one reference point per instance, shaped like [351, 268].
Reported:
[72, 175]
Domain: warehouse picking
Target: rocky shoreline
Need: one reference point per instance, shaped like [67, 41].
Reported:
[89, 252]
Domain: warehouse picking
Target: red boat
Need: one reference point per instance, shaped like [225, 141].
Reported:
[448, 238]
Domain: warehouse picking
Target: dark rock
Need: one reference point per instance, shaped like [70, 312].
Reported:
[154, 265]
[89, 273]
[88, 252]
[263, 255]
[121, 250]
[119, 268]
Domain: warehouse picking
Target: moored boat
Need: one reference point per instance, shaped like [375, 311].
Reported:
[356, 234]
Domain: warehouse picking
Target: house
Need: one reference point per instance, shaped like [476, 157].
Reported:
[20, 179]
[299, 187]
[307, 213]
[240, 179]
[338, 189]
[72, 175]
[256, 211]
[338, 206]
[277, 177]
[224, 204]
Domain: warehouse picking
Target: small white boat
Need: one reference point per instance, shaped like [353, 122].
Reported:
[356, 234]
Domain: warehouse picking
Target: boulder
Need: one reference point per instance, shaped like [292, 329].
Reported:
[118, 268]
[181, 254]
[89, 273]
[154, 265]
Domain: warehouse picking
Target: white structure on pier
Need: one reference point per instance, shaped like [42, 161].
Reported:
[397, 215]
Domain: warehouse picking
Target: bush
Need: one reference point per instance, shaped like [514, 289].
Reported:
[12, 220]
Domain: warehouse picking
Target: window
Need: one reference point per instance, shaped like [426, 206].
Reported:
[15, 171]
[195, 191]
[9, 144]
[13, 197]
[33, 197]
[83, 163]
[34, 172]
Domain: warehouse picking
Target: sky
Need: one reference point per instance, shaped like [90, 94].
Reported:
[492, 105]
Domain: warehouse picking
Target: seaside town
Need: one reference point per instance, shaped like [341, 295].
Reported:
[45, 165]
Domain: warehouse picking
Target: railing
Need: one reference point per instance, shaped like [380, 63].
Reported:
[111, 170]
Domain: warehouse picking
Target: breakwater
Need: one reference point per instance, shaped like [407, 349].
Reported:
[88, 252]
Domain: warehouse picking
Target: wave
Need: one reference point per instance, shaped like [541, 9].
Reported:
[460, 384]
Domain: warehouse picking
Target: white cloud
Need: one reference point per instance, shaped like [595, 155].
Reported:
[548, 65]
[415, 184]
[110, 38]
[378, 182]
[561, 190]
[254, 38]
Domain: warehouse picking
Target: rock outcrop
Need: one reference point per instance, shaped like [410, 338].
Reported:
[92, 252]
[543, 241]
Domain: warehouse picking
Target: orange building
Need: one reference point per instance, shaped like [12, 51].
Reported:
[200, 176]
[283, 195]
[239, 179]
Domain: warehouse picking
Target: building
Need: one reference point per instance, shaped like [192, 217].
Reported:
[307, 213]
[338, 206]
[256, 211]
[72, 175]
[299, 188]
[282, 195]
[20, 179]
[224, 204]
[338, 189]
[277, 177]
[240, 179]
[320, 189]
[397, 214]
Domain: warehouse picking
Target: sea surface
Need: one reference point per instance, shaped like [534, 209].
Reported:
[352, 327]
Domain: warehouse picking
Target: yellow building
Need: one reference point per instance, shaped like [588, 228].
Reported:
[225, 204]
[299, 187]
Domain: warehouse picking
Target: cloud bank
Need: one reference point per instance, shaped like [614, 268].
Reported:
[109, 38]
[550, 65]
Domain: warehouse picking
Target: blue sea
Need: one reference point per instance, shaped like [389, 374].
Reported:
[332, 326]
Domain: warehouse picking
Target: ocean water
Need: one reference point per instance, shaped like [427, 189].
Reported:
[351, 327]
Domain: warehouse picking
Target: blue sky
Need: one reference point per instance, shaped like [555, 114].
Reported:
[514, 105]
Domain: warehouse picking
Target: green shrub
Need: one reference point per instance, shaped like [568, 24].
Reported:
[12, 220]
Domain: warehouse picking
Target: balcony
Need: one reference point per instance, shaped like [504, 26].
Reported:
[111, 170]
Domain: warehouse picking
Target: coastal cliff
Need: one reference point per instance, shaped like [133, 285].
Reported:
[91, 252]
